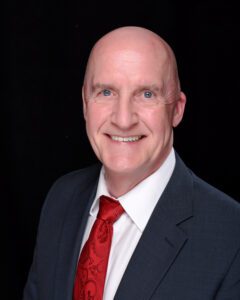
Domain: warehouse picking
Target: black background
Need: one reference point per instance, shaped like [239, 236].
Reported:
[46, 45]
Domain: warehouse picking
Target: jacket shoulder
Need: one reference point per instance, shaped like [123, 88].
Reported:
[68, 186]
[217, 215]
[206, 194]
[77, 178]
[212, 208]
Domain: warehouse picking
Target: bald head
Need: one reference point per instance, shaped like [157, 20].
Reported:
[136, 41]
[132, 100]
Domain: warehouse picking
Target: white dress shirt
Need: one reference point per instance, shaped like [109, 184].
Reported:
[138, 204]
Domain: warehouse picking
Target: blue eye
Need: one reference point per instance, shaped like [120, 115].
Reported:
[148, 94]
[106, 92]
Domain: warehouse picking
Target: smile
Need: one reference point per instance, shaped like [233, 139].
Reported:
[126, 139]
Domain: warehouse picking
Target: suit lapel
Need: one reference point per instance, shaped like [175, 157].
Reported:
[162, 239]
[71, 238]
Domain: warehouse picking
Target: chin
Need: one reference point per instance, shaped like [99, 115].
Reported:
[121, 166]
[130, 171]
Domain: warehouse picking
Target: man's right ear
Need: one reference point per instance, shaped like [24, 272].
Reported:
[84, 103]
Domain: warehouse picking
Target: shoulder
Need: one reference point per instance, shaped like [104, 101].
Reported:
[69, 186]
[216, 201]
[216, 216]
[79, 178]
[205, 195]
[214, 197]
[214, 212]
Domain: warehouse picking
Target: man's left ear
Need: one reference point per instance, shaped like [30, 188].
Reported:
[179, 109]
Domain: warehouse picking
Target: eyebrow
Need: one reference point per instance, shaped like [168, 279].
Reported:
[102, 86]
[152, 87]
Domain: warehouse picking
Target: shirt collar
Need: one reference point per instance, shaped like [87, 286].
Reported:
[140, 201]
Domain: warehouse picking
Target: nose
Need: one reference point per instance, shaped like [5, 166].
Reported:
[124, 114]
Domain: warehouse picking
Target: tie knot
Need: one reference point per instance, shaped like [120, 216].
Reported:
[109, 209]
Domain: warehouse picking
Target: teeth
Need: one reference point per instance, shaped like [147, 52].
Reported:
[126, 139]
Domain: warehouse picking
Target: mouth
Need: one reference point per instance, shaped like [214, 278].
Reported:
[126, 139]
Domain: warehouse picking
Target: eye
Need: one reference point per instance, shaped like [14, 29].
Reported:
[106, 92]
[148, 94]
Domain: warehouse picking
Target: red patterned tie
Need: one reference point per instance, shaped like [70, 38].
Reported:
[93, 261]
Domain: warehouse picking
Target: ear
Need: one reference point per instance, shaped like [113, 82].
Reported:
[84, 103]
[179, 109]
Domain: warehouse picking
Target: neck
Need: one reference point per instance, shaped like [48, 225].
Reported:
[120, 184]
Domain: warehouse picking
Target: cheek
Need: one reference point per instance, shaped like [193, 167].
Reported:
[157, 120]
[96, 116]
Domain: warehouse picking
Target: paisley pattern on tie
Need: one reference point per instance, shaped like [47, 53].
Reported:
[93, 261]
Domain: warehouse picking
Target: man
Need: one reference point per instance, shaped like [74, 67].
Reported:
[178, 237]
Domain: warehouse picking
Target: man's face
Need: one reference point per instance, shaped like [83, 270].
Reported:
[128, 116]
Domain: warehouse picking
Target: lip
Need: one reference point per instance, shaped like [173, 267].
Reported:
[125, 139]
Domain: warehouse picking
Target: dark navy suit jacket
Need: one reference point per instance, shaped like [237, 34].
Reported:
[189, 250]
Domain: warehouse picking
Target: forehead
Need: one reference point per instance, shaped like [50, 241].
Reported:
[128, 63]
